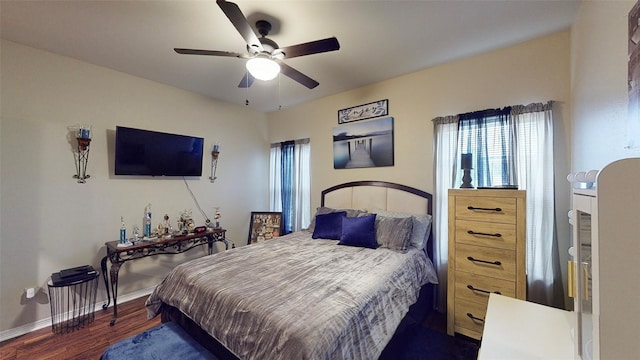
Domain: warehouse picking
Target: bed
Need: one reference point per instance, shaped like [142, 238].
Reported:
[305, 295]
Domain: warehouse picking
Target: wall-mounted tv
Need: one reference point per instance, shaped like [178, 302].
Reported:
[145, 152]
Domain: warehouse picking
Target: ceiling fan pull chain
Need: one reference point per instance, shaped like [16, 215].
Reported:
[246, 100]
[279, 98]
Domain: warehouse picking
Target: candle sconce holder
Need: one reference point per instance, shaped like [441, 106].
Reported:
[81, 155]
[466, 179]
[465, 165]
[215, 153]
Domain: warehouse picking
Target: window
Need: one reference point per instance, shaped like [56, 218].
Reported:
[488, 136]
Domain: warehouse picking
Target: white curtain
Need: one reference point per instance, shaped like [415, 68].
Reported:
[534, 134]
[533, 129]
[446, 145]
[299, 185]
[275, 178]
[302, 189]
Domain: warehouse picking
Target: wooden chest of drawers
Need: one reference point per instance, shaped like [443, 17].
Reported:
[487, 241]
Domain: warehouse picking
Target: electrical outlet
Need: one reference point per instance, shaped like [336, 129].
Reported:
[30, 293]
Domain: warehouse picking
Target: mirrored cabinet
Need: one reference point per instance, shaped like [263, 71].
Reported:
[606, 240]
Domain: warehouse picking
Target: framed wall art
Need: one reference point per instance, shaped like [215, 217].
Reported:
[264, 226]
[362, 112]
[363, 144]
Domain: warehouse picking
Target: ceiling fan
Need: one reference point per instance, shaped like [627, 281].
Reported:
[263, 54]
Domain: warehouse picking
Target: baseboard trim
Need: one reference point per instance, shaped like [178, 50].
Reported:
[46, 322]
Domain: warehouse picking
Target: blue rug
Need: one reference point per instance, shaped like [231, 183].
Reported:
[169, 341]
[165, 341]
[421, 343]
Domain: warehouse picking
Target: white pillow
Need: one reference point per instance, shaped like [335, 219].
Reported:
[421, 226]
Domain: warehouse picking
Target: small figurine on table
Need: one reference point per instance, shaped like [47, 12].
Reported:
[166, 225]
[136, 235]
[217, 217]
[186, 223]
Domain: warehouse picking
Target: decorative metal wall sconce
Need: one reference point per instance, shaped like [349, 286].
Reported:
[83, 136]
[466, 166]
[215, 152]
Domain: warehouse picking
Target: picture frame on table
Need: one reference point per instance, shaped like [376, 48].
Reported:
[364, 111]
[264, 225]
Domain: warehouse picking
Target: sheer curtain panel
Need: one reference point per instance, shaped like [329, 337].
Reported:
[446, 145]
[534, 131]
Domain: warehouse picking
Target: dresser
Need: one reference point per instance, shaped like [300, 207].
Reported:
[487, 241]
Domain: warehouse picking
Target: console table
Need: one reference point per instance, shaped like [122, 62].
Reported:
[174, 245]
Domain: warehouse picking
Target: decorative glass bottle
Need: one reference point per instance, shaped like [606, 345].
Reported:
[123, 231]
[147, 221]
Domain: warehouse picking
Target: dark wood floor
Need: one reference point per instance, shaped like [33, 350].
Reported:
[86, 343]
[436, 321]
[91, 341]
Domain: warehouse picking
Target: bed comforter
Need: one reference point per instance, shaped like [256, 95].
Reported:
[295, 297]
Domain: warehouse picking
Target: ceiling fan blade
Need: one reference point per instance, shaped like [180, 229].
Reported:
[247, 80]
[297, 76]
[313, 47]
[209, 52]
[233, 12]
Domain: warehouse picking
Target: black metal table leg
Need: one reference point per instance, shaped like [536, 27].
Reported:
[210, 242]
[115, 268]
[103, 266]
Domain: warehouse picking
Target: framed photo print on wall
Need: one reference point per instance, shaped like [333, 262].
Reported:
[363, 144]
[264, 226]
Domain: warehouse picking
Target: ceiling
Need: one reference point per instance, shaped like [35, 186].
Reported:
[379, 39]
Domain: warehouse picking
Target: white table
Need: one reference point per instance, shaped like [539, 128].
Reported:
[517, 329]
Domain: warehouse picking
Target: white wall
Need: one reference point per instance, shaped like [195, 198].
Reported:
[50, 222]
[599, 85]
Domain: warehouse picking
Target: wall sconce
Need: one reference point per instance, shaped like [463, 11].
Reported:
[215, 152]
[83, 136]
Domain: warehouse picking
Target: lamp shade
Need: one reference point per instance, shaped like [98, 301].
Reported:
[263, 68]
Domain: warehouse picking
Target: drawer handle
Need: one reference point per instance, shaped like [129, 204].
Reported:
[471, 232]
[470, 287]
[484, 209]
[498, 263]
[470, 315]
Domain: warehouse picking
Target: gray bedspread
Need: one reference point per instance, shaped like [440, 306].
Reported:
[295, 297]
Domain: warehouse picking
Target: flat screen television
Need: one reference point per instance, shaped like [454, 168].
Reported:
[151, 153]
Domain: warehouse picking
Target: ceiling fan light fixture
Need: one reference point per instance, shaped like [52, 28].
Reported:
[263, 68]
[265, 57]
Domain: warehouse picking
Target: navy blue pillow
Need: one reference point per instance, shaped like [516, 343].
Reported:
[359, 231]
[329, 226]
